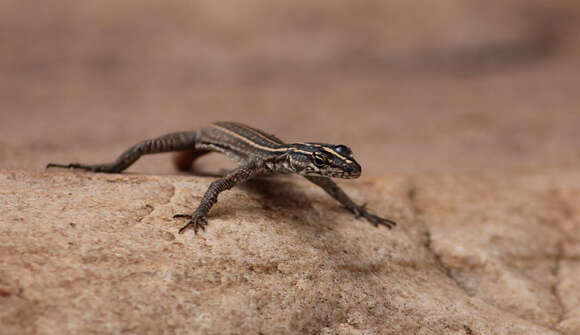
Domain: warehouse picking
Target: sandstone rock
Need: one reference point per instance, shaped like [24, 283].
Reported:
[98, 253]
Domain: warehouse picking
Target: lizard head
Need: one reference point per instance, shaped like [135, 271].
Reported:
[325, 160]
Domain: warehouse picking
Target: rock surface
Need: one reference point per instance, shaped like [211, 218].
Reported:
[94, 253]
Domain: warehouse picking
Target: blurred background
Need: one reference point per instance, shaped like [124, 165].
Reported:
[412, 87]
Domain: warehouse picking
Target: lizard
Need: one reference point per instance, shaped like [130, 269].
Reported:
[257, 153]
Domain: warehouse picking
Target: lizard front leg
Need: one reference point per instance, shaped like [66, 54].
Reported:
[239, 175]
[359, 211]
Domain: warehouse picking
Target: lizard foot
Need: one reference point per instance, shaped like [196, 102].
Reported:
[373, 219]
[197, 221]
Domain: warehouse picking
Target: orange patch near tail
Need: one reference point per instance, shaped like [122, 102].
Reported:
[183, 160]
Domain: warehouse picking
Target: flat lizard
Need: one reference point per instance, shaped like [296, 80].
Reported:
[257, 153]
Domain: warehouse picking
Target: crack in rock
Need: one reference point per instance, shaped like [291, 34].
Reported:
[558, 258]
[150, 210]
[154, 209]
[428, 239]
[567, 212]
[554, 287]
[446, 269]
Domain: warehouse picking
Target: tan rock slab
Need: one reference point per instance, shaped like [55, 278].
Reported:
[84, 252]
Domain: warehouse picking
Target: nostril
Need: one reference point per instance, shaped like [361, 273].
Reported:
[348, 168]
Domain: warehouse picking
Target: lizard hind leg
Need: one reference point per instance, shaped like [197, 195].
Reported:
[183, 160]
[166, 143]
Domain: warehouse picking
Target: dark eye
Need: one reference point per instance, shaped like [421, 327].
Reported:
[343, 150]
[319, 159]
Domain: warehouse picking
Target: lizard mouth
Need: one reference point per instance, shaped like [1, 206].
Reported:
[343, 174]
[348, 175]
[351, 171]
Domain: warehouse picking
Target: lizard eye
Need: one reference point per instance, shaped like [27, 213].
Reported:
[319, 159]
[343, 150]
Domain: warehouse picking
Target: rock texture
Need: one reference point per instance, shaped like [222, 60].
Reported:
[94, 253]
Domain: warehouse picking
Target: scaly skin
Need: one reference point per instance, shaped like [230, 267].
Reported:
[257, 153]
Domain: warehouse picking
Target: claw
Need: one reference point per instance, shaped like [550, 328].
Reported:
[382, 221]
[182, 229]
[373, 219]
[79, 166]
[63, 166]
[195, 221]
